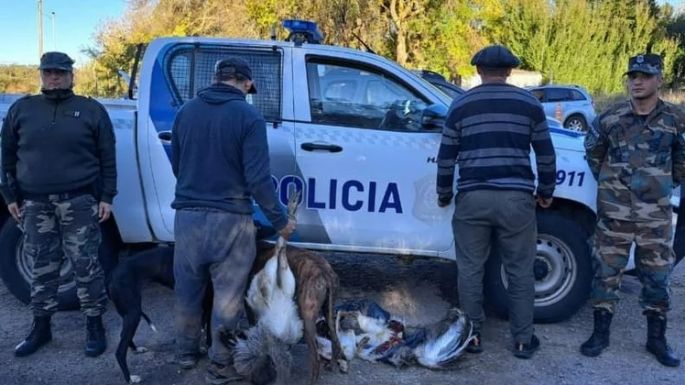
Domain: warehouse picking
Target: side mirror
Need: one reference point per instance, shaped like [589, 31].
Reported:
[433, 117]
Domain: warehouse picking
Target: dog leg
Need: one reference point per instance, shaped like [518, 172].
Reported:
[128, 330]
[338, 359]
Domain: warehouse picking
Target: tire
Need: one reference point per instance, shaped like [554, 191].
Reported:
[563, 271]
[15, 267]
[576, 122]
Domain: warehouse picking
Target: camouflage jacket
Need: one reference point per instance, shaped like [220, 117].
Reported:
[637, 161]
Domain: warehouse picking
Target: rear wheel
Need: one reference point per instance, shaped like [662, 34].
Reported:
[15, 266]
[563, 271]
[576, 122]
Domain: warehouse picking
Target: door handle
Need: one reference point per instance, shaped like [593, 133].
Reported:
[164, 137]
[320, 147]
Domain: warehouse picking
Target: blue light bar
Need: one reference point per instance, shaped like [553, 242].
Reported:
[303, 31]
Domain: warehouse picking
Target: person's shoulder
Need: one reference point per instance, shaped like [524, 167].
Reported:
[250, 112]
[675, 116]
[614, 112]
[26, 101]
[89, 102]
[675, 110]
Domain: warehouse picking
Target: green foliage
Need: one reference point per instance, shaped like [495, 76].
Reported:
[19, 79]
[586, 42]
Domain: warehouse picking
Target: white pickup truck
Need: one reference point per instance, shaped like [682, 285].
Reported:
[356, 133]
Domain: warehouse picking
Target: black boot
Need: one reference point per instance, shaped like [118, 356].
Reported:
[96, 343]
[656, 339]
[599, 340]
[40, 335]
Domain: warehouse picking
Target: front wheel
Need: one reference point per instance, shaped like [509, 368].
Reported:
[563, 271]
[16, 266]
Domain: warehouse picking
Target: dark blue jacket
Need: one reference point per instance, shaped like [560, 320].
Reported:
[55, 143]
[220, 155]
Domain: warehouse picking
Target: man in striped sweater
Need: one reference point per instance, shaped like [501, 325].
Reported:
[489, 133]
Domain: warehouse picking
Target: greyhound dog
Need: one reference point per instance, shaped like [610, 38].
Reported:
[125, 287]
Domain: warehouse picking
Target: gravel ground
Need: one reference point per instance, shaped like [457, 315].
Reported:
[420, 292]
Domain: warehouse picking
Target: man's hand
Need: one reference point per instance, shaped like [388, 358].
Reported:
[544, 202]
[104, 211]
[444, 200]
[288, 229]
[14, 210]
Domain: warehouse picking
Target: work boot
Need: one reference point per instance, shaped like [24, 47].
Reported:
[599, 340]
[40, 335]
[656, 339]
[96, 343]
[526, 351]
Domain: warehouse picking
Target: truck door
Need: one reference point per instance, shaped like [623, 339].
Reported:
[366, 161]
[179, 70]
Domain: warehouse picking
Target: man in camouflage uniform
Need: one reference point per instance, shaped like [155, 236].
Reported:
[636, 151]
[59, 179]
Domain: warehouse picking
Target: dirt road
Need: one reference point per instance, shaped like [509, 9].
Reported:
[420, 292]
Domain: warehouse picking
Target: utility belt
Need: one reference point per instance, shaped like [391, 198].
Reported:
[85, 190]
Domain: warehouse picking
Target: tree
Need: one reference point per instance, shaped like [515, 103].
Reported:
[570, 41]
[19, 79]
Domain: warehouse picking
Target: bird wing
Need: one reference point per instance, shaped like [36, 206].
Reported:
[437, 352]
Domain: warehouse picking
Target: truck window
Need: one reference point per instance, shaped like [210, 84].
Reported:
[190, 68]
[343, 94]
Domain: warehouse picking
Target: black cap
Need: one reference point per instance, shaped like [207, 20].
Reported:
[234, 66]
[495, 56]
[647, 63]
[56, 61]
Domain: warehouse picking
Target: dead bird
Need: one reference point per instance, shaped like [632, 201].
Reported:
[315, 285]
[435, 346]
[272, 291]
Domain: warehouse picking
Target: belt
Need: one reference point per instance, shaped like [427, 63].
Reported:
[57, 196]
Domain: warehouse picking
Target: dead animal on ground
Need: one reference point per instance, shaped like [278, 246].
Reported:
[379, 337]
[316, 285]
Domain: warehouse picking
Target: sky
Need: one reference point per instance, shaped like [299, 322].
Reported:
[75, 22]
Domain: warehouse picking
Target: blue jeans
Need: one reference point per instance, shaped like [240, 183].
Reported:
[218, 246]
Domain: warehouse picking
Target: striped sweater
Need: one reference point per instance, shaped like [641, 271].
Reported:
[489, 132]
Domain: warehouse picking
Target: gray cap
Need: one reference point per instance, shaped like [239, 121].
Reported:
[234, 66]
[648, 63]
[56, 61]
[495, 56]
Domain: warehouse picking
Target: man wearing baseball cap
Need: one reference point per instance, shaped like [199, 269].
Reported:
[221, 161]
[636, 151]
[489, 132]
[59, 178]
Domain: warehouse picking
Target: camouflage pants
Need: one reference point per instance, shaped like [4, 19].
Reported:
[654, 260]
[217, 246]
[54, 229]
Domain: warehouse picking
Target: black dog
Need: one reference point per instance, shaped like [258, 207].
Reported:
[125, 286]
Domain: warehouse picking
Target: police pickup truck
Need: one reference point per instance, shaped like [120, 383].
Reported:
[356, 133]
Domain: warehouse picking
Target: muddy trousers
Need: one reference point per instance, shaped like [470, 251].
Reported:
[59, 227]
[218, 246]
[654, 259]
[503, 222]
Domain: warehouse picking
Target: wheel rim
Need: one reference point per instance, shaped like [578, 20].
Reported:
[25, 266]
[575, 125]
[555, 271]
